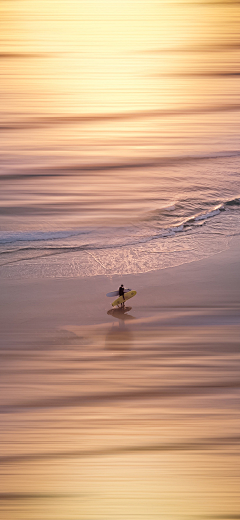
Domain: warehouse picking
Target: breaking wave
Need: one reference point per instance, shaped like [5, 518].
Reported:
[105, 238]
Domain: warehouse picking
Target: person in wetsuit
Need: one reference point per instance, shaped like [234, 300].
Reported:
[121, 293]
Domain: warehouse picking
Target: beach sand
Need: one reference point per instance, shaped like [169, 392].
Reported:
[47, 304]
[111, 414]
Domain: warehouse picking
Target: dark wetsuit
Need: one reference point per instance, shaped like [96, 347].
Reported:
[121, 292]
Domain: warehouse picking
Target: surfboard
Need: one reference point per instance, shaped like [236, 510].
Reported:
[116, 293]
[120, 300]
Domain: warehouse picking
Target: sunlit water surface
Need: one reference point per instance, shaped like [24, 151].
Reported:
[120, 130]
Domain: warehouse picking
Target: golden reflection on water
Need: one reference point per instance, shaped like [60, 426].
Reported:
[105, 56]
[104, 85]
[100, 86]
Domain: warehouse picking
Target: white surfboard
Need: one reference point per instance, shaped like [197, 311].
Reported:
[116, 293]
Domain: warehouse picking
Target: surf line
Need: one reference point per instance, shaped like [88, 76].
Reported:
[98, 261]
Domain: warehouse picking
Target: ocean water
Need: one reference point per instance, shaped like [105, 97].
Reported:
[119, 156]
[120, 149]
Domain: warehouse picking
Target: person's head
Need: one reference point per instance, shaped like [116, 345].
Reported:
[121, 285]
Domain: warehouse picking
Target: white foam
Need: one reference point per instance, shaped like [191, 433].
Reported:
[208, 215]
[139, 258]
[176, 229]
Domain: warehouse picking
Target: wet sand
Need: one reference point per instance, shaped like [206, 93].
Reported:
[117, 414]
[49, 304]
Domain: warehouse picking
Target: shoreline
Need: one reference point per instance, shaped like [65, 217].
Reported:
[47, 304]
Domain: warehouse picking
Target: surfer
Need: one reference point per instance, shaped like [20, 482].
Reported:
[121, 293]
